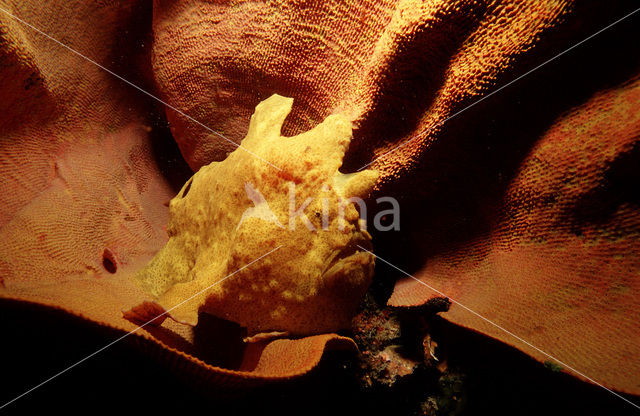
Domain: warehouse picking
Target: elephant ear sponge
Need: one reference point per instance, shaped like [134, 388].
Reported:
[278, 195]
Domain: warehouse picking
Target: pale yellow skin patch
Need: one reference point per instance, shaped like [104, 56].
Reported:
[314, 282]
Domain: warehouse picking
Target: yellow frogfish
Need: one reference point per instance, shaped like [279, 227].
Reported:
[269, 238]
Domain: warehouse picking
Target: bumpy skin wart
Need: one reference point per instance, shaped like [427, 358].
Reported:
[315, 280]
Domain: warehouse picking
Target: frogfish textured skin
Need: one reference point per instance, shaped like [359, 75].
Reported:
[508, 196]
[317, 276]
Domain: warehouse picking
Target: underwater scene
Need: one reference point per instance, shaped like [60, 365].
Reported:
[385, 207]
